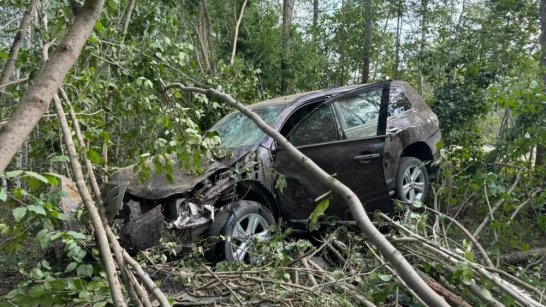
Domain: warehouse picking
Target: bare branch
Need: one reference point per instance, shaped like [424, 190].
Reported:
[496, 207]
[236, 36]
[16, 45]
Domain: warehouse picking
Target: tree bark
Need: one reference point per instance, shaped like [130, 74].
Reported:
[236, 36]
[342, 45]
[396, 66]
[315, 15]
[367, 41]
[421, 81]
[203, 32]
[16, 45]
[36, 99]
[128, 18]
[397, 260]
[127, 276]
[287, 9]
[100, 233]
[541, 149]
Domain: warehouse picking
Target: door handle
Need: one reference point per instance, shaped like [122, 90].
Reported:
[366, 158]
[393, 130]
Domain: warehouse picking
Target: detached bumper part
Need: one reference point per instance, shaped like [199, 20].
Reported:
[113, 193]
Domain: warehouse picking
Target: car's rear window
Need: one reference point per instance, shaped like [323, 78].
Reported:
[399, 102]
[237, 130]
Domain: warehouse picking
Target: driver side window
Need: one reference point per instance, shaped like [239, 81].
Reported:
[318, 127]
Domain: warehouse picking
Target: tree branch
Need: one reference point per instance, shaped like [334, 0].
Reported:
[16, 45]
[235, 37]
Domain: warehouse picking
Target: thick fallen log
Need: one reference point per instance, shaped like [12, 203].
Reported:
[515, 258]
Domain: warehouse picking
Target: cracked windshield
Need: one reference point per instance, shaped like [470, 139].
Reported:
[237, 130]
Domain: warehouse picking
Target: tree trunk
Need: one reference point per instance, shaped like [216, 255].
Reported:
[100, 233]
[541, 149]
[315, 14]
[236, 36]
[16, 45]
[421, 80]
[342, 43]
[203, 32]
[397, 260]
[36, 99]
[287, 8]
[396, 66]
[367, 41]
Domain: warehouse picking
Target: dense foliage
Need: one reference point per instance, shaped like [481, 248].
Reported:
[477, 64]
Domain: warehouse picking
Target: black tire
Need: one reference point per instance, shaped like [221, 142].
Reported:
[412, 181]
[235, 244]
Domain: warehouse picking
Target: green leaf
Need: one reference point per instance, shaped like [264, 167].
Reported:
[3, 194]
[319, 211]
[36, 176]
[59, 159]
[85, 270]
[76, 235]
[19, 213]
[36, 209]
[93, 156]
[36, 291]
[70, 267]
[52, 178]
[384, 277]
[13, 174]
[112, 4]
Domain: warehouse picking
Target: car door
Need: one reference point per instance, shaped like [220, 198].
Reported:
[345, 136]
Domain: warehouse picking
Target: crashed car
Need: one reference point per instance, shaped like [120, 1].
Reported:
[379, 140]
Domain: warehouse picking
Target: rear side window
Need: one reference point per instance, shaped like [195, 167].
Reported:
[398, 102]
[359, 114]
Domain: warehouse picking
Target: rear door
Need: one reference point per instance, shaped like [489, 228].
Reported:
[345, 136]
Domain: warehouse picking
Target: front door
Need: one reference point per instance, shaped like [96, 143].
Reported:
[345, 136]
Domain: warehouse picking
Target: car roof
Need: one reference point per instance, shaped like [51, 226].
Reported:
[303, 97]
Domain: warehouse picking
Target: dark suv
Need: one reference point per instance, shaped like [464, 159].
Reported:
[379, 140]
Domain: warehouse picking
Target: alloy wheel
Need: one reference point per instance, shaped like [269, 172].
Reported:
[247, 230]
[413, 183]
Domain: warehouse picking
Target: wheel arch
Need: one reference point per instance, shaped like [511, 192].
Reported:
[419, 150]
[255, 191]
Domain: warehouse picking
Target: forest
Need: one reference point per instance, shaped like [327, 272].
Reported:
[90, 86]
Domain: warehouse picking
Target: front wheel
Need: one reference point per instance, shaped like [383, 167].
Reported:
[411, 180]
[237, 228]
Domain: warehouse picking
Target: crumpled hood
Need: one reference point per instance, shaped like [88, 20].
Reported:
[158, 186]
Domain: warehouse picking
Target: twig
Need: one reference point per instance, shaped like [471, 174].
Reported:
[309, 274]
[393, 272]
[2, 86]
[468, 235]
[497, 206]
[225, 285]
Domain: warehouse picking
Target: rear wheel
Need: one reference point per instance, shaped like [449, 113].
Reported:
[411, 180]
[237, 228]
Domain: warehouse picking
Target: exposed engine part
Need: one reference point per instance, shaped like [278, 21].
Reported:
[191, 214]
